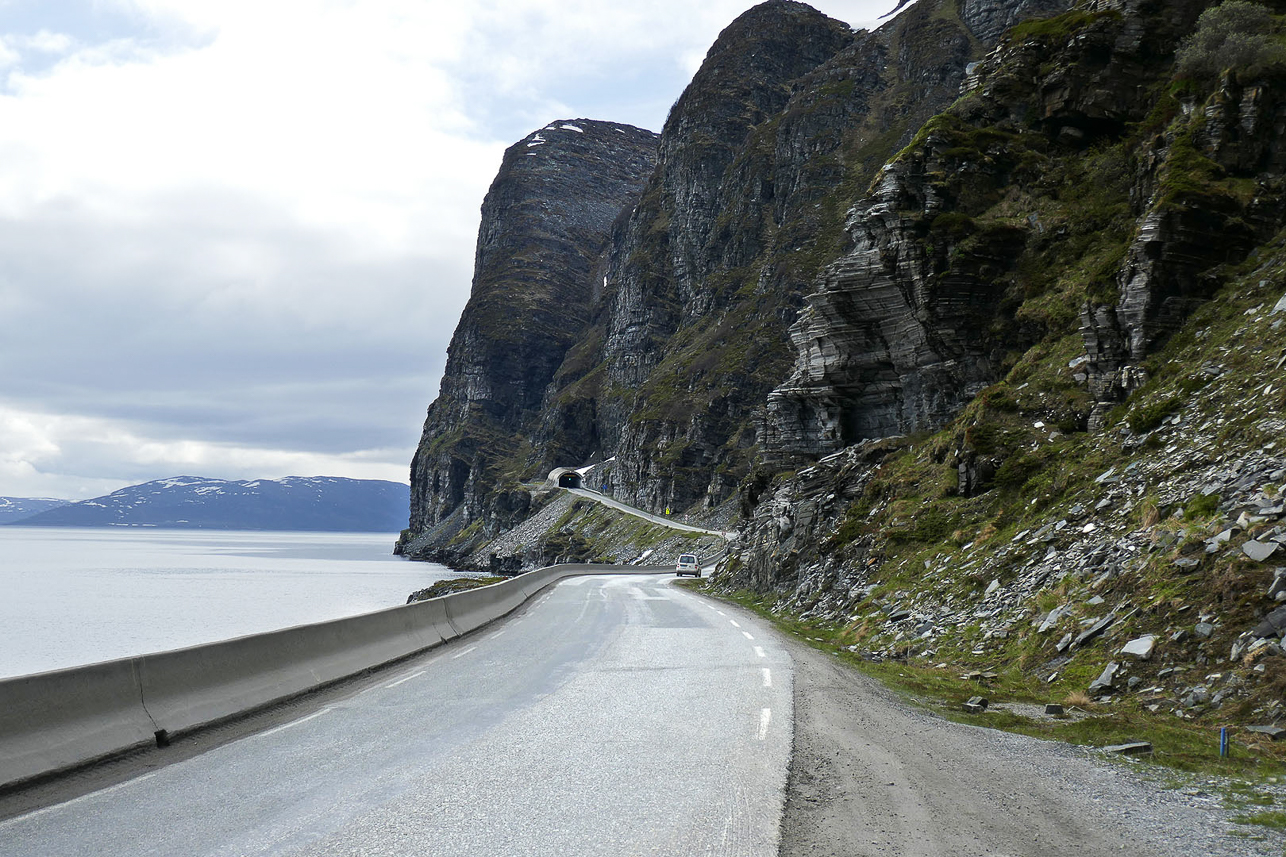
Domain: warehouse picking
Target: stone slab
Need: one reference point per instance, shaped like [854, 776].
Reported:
[1134, 748]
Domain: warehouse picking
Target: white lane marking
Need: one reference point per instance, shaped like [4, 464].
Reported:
[497, 634]
[721, 613]
[48, 809]
[465, 652]
[408, 678]
[746, 634]
[734, 623]
[765, 717]
[759, 650]
[292, 723]
[767, 677]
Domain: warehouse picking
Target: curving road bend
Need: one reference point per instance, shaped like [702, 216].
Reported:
[646, 516]
[611, 716]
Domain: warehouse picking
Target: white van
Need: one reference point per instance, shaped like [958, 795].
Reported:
[687, 565]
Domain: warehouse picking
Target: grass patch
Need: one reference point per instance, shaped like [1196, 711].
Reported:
[1201, 506]
[452, 586]
[1059, 27]
[1177, 745]
[1145, 418]
[1275, 819]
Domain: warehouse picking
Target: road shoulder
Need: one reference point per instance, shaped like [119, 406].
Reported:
[873, 775]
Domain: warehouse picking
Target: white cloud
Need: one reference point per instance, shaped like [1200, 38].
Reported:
[237, 234]
[46, 455]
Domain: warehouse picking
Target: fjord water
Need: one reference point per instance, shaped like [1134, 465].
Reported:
[71, 596]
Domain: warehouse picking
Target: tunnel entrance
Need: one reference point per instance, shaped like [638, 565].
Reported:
[570, 479]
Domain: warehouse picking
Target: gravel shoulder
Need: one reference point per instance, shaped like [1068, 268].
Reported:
[872, 775]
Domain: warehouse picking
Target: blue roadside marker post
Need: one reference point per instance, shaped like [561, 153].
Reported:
[1223, 742]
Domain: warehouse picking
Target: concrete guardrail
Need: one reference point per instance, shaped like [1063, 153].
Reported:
[56, 721]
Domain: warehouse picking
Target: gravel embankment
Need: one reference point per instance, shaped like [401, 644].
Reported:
[871, 775]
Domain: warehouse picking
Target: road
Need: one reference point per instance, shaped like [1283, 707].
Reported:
[647, 516]
[610, 716]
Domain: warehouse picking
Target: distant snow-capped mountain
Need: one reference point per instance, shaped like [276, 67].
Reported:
[14, 509]
[194, 502]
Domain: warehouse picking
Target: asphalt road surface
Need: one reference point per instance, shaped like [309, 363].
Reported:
[611, 716]
[647, 516]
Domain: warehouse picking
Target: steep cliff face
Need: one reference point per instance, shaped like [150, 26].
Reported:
[982, 338]
[1044, 378]
[785, 125]
[673, 353]
[545, 222]
[926, 308]
[665, 354]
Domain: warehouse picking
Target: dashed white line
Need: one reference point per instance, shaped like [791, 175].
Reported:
[765, 717]
[408, 678]
[759, 650]
[465, 652]
[721, 613]
[746, 634]
[291, 724]
[733, 622]
[767, 677]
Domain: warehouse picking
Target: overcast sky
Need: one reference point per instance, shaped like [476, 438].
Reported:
[236, 235]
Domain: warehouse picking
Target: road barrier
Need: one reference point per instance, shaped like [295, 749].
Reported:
[56, 721]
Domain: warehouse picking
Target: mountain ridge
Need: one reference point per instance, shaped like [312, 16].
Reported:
[976, 344]
[320, 503]
[13, 509]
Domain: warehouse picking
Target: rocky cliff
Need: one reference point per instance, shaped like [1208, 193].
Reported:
[785, 124]
[1035, 405]
[680, 329]
[920, 315]
[537, 275]
[975, 321]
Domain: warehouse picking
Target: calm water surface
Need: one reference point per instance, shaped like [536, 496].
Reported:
[76, 596]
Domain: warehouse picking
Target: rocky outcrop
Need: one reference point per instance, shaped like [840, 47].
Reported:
[919, 315]
[669, 271]
[988, 20]
[545, 222]
[894, 339]
[663, 351]
[790, 116]
[1081, 242]
[1214, 190]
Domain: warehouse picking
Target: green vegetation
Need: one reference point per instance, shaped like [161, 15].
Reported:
[1058, 28]
[1201, 506]
[1233, 35]
[1274, 818]
[1147, 417]
[1178, 745]
[453, 585]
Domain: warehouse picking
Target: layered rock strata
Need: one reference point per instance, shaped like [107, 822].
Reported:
[790, 116]
[545, 223]
[919, 315]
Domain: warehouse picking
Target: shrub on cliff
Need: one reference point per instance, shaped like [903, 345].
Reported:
[1233, 35]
